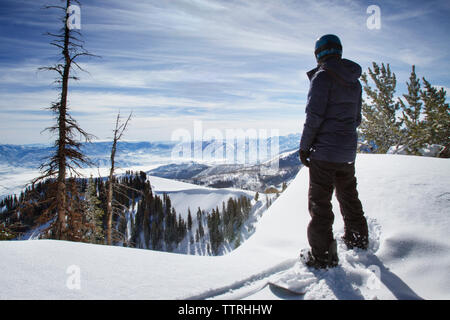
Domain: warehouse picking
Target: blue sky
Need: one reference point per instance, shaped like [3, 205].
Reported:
[231, 64]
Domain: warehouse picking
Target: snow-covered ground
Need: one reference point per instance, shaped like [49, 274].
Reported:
[406, 200]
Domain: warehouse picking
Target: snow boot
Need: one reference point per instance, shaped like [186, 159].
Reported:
[321, 261]
[355, 240]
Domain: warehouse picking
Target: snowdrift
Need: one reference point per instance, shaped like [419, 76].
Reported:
[405, 198]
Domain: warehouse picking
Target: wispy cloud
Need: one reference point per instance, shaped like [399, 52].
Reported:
[223, 62]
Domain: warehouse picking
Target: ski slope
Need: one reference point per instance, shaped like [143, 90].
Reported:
[405, 198]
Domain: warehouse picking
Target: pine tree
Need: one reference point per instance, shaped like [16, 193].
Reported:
[424, 118]
[228, 223]
[75, 214]
[247, 207]
[189, 220]
[201, 231]
[93, 214]
[437, 115]
[379, 123]
[215, 231]
[182, 230]
[414, 127]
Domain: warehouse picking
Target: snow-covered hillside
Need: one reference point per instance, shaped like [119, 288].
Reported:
[256, 177]
[186, 196]
[406, 200]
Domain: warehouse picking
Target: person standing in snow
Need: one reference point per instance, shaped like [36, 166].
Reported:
[328, 147]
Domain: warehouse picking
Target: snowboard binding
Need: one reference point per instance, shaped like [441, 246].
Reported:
[323, 261]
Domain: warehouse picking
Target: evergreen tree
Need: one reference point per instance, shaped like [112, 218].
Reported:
[93, 214]
[246, 207]
[181, 230]
[201, 231]
[379, 123]
[215, 231]
[170, 225]
[75, 214]
[197, 236]
[228, 223]
[189, 220]
[414, 127]
[146, 226]
[424, 118]
[437, 115]
[130, 242]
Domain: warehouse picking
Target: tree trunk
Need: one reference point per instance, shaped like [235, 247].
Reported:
[61, 189]
[109, 207]
[118, 132]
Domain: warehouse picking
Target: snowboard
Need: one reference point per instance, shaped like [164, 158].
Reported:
[283, 290]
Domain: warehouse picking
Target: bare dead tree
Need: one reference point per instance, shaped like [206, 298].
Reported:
[67, 156]
[119, 130]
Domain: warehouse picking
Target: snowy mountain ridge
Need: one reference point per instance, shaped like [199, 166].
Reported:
[256, 177]
[130, 153]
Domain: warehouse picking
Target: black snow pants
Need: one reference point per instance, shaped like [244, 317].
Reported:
[324, 177]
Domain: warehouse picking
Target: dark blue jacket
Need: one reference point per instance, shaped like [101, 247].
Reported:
[333, 111]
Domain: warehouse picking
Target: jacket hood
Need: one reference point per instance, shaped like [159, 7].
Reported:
[345, 69]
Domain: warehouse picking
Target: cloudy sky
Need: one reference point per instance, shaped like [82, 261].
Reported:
[230, 64]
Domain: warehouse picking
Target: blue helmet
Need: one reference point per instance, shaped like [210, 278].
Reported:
[326, 46]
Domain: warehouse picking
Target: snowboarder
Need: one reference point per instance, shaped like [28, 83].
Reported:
[328, 147]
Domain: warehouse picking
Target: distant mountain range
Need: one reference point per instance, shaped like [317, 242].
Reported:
[257, 177]
[129, 153]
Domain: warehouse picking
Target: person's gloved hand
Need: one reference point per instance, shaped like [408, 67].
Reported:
[304, 155]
